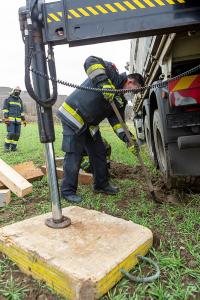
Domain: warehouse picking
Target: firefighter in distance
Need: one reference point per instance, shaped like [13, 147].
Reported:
[13, 117]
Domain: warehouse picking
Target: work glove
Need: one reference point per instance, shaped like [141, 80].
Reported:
[85, 164]
[6, 121]
[24, 123]
[120, 101]
[107, 95]
[133, 149]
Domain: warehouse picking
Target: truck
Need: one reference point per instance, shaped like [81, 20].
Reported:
[167, 118]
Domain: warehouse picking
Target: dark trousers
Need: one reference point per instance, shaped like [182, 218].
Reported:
[13, 134]
[74, 145]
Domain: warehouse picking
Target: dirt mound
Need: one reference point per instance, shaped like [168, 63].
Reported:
[123, 171]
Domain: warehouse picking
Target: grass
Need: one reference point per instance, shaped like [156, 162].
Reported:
[175, 227]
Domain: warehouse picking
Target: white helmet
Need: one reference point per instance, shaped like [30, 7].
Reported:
[16, 89]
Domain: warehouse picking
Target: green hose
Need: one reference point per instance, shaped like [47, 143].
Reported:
[147, 278]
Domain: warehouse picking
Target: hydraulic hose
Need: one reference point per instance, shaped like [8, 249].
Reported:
[29, 51]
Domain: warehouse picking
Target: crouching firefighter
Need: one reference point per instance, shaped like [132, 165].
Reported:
[13, 114]
[81, 114]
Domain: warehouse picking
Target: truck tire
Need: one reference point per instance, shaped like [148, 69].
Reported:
[180, 182]
[159, 143]
[147, 133]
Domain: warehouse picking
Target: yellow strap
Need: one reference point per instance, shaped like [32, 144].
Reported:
[72, 112]
[94, 67]
[5, 110]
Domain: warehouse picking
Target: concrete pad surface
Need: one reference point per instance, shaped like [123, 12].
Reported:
[88, 254]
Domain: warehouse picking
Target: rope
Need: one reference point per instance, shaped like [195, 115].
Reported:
[117, 91]
[144, 278]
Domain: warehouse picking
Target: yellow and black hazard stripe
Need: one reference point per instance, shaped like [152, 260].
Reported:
[110, 8]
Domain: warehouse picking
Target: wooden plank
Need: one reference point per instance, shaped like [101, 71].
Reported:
[13, 180]
[59, 171]
[28, 170]
[4, 197]
[83, 178]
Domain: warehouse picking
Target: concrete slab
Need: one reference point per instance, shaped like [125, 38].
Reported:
[81, 262]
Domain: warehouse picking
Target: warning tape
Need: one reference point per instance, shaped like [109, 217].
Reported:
[111, 8]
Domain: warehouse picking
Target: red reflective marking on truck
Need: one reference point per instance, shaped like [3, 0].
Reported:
[185, 91]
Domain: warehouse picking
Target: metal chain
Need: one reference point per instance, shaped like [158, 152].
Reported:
[118, 91]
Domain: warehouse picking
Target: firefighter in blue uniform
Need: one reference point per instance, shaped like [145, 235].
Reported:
[13, 114]
[81, 114]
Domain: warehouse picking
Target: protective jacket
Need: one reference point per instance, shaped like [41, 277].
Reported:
[13, 109]
[86, 109]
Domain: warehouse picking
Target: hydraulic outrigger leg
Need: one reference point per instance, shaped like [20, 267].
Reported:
[36, 57]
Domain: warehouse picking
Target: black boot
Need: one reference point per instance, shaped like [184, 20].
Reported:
[108, 189]
[72, 198]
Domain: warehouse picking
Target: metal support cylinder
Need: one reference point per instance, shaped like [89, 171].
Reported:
[53, 183]
[44, 125]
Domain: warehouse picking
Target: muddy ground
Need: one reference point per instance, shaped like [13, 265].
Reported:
[122, 171]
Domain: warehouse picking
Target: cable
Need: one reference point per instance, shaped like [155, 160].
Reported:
[144, 278]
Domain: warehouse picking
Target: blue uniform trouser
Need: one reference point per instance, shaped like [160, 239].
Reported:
[13, 134]
[74, 145]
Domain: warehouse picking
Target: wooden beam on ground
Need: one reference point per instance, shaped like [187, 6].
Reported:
[13, 180]
[83, 178]
[4, 197]
[28, 170]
